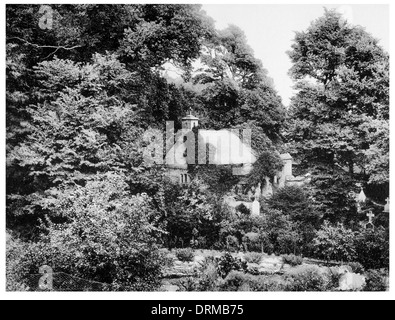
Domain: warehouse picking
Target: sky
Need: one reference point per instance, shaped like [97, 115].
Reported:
[270, 30]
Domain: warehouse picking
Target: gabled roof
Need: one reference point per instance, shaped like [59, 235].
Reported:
[286, 156]
[190, 117]
[229, 149]
[232, 149]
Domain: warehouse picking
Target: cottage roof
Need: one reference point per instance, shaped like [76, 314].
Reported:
[190, 117]
[286, 156]
[228, 149]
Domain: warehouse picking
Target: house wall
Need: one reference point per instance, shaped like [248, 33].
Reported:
[286, 173]
[176, 175]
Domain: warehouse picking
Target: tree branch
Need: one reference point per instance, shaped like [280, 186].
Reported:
[57, 48]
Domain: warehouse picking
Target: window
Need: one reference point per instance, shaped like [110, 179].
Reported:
[184, 178]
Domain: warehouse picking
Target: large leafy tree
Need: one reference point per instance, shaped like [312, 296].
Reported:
[339, 117]
[296, 204]
[80, 94]
[143, 36]
[237, 89]
[80, 126]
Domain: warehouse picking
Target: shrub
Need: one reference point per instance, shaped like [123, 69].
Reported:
[185, 255]
[192, 215]
[218, 245]
[266, 245]
[252, 242]
[239, 281]
[292, 260]
[280, 232]
[202, 242]
[267, 165]
[108, 237]
[372, 247]
[243, 209]
[307, 278]
[296, 202]
[232, 243]
[168, 261]
[227, 263]
[376, 280]
[269, 284]
[253, 270]
[14, 270]
[335, 243]
[253, 257]
[208, 275]
[356, 267]
[189, 284]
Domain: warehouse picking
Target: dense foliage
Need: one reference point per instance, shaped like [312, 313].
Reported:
[339, 117]
[85, 95]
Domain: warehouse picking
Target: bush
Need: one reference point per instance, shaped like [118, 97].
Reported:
[209, 277]
[253, 257]
[185, 255]
[307, 278]
[191, 218]
[252, 242]
[376, 280]
[292, 260]
[372, 247]
[335, 243]
[280, 234]
[267, 165]
[269, 284]
[232, 244]
[14, 270]
[243, 209]
[227, 263]
[253, 270]
[239, 281]
[189, 284]
[108, 237]
[266, 245]
[296, 202]
[356, 267]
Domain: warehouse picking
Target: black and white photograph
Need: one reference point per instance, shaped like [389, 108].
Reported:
[181, 148]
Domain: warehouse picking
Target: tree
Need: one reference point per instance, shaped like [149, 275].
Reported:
[237, 89]
[267, 165]
[335, 243]
[102, 234]
[192, 212]
[341, 107]
[372, 248]
[80, 127]
[281, 231]
[298, 204]
[166, 33]
[144, 37]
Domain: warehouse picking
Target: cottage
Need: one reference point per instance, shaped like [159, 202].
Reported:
[224, 147]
